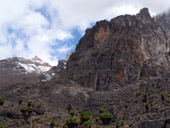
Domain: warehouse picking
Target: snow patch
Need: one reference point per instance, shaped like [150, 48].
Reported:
[33, 68]
[43, 68]
[28, 68]
[53, 74]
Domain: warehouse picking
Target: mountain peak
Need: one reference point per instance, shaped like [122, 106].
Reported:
[144, 15]
[36, 58]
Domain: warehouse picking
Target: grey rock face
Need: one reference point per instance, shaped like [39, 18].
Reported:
[121, 51]
[59, 69]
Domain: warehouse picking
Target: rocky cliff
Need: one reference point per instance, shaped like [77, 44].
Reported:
[123, 50]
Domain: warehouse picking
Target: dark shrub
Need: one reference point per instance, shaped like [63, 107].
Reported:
[117, 123]
[52, 123]
[87, 124]
[126, 105]
[72, 122]
[101, 110]
[71, 112]
[85, 116]
[26, 111]
[1, 125]
[144, 99]
[106, 117]
[162, 96]
[1, 101]
[122, 122]
[138, 93]
[147, 105]
[30, 103]
[168, 100]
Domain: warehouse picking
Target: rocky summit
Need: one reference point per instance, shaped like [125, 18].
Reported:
[118, 77]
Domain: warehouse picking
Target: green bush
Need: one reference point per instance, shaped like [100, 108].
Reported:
[72, 112]
[117, 123]
[59, 116]
[101, 110]
[72, 122]
[106, 117]
[53, 121]
[138, 93]
[97, 118]
[168, 100]
[168, 95]
[151, 97]
[64, 125]
[162, 96]
[136, 101]
[7, 119]
[2, 100]
[85, 116]
[147, 105]
[58, 124]
[30, 103]
[122, 122]
[152, 90]
[1, 125]
[157, 108]
[87, 124]
[80, 111]
[26, 108]
[126, 105]
[26, 111]
[138, 118]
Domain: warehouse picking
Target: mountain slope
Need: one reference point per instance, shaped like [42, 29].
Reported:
[20, 70]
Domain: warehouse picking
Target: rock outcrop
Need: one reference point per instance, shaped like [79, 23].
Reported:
[126, 49]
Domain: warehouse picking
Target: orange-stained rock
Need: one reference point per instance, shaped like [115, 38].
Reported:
[102, 34]
[121, 76]
[120, 115]
[115, 60]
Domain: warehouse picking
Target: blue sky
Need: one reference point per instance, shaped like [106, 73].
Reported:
[51, 29]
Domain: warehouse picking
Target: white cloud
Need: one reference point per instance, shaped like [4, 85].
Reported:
[5, 51]
[32, 23]
[43, 27]
[63, 49]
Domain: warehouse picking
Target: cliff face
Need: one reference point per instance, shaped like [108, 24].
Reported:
[123, 50]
